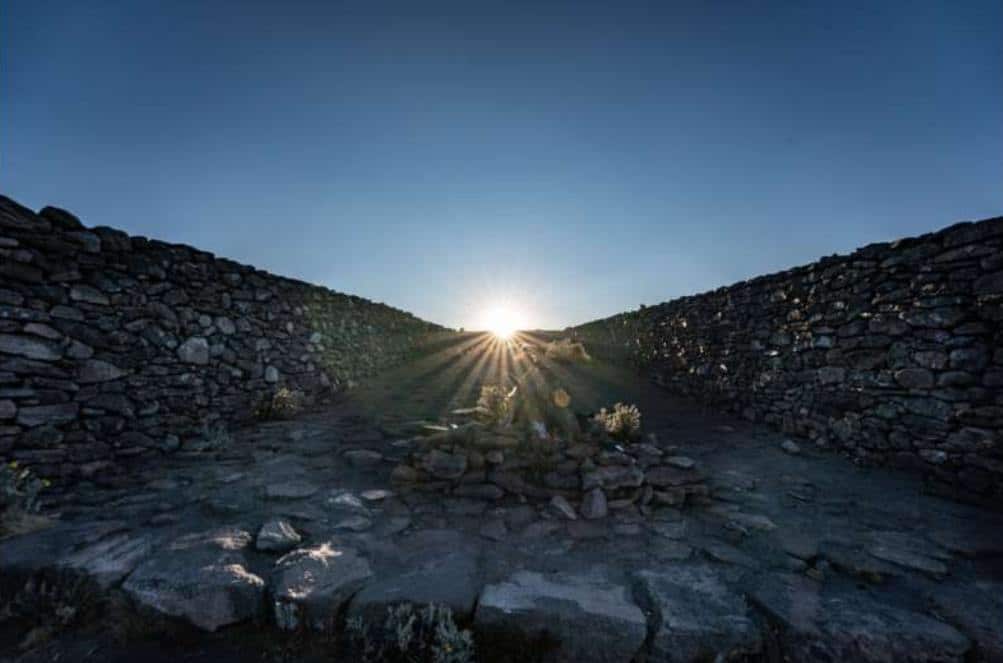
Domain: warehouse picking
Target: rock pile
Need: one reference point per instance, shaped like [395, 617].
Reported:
[584, 477]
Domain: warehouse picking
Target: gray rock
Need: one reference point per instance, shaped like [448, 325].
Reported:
[722, 552]
[933, 359]
[462, 506]
[494, 530]
[560, 507]
[450, 580]
[195, 350]
[989, 284]
[612, 477]
[666, 477]
[96, 370]
[479, 491]
[977, 610]
[347, 500]
[442, 465]
[357, 523]
[376, 494]
[969, 359]
[89, 295]
[363, 457]
[290, 490]
[226, 326]
[43, 330]
[390, 526]
[914, 378]
[699, 618]
[934, 456]
[404, 474]
[202, 578]
[907, 551]
[30, 347]
[682, 462]
[271, 374]
[790, 446]
[562, 617]
[752, 521]
[117, 403]
[110, 560]
[594, 504]
[850, 625]
[38, 415]
[310, 585]
[277, 536]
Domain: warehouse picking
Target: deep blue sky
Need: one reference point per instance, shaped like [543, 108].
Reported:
[574, 159]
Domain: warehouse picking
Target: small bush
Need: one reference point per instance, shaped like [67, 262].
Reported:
[48, 605]
[283, 404]
[19, 489]
[495, 405]
[623, 422]
[566, 350]
[215, 437]
[408, 635]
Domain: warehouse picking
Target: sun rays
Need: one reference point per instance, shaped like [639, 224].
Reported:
[503, 321]
[450, 373]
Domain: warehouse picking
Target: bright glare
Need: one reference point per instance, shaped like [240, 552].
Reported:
[503, 322]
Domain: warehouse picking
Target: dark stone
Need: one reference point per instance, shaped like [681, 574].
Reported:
[914, 378]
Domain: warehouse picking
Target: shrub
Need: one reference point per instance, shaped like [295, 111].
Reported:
[623, 422]
[215, 437]
[285, 403]
[19, 489]
[495, 405]
[50, 604]
[408, 635]
[566, 350]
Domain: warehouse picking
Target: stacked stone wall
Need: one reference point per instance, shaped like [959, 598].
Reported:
[114, 347]
[893, 353]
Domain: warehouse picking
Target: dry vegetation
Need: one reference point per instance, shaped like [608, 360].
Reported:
[566, 350]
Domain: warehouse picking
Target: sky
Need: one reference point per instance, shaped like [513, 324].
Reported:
[565, 160]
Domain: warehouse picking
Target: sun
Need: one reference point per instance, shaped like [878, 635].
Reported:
[503, 322]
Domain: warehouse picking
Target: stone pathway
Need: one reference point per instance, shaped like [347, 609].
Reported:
[297, 525]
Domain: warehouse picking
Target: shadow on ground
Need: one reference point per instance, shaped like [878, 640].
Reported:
[798, 556]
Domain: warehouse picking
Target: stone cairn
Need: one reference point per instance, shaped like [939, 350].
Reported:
[545, 452]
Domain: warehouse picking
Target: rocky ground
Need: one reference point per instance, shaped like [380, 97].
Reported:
[254, 551]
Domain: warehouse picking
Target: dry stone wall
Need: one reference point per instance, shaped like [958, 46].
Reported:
[114, 347]
[893, 353]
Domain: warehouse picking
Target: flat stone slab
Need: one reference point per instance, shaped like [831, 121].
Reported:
[977, 610]
[908, 551]
[110, 560]
[726, 554]
[354, 524]
[290, 490]
[451, 581]
[698, 617]
[310, 585]
[565, 617]
[200, 577]
[364, 457]
[48, 547]
[852, 625]
[376, 494]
